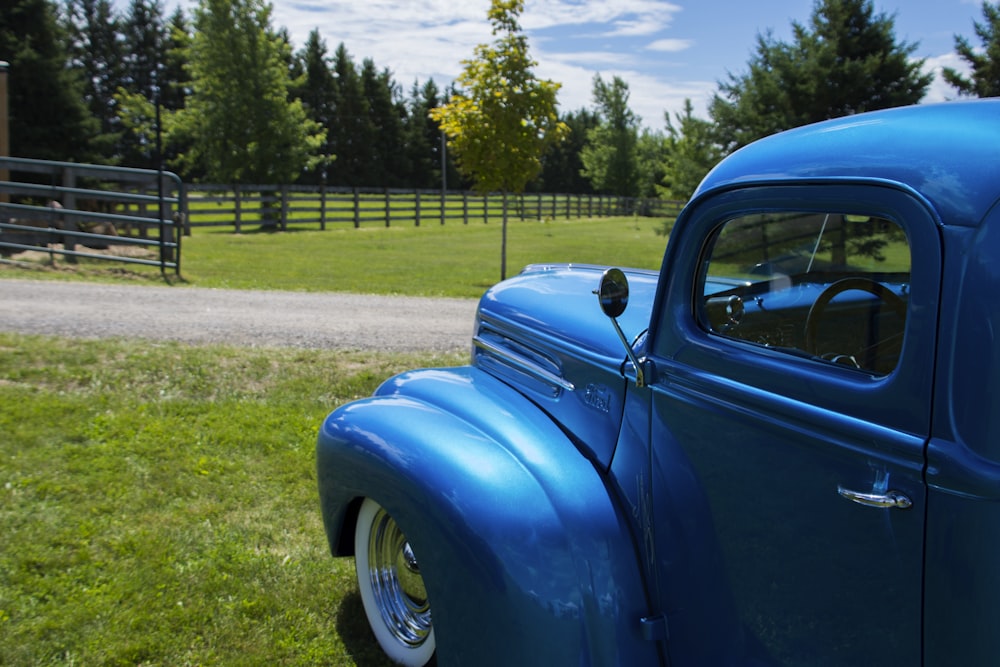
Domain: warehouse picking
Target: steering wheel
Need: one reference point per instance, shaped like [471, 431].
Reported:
[873, 287]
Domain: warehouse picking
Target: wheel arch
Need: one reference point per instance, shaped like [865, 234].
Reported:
[508, 520]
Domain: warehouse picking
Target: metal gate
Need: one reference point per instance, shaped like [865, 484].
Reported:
[76, 210]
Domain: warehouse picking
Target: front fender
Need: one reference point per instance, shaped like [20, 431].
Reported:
[525, 557]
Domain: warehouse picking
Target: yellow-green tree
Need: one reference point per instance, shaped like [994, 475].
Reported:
[502, 117]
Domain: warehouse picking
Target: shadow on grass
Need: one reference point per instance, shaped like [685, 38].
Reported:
[352, 626]
[253, 229]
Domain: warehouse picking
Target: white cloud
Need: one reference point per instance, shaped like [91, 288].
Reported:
[422, 39]
[540, 14]
[940, 90]
[670, 45]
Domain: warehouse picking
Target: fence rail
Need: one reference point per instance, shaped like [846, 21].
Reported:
[282, 207]
[59, 207]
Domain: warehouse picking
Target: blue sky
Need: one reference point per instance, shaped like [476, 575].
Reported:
[666, 50]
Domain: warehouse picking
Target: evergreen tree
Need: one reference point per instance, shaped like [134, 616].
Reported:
[97, 53]
[691, 153]
[422, 138]
[241, 126]
[562, 168]
[147, 47]
[985, 62]
[387, 163]
[176, 79]
[351, 129]
[317, 89]
[136, 103]
[48, 116]
[847, 61]
[610, 160]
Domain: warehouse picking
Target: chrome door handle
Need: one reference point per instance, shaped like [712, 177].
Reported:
[887, 499]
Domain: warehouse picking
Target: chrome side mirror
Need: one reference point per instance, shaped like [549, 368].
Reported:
[613, 292]
[613, 295]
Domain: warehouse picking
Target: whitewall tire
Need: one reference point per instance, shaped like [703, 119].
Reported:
[391, 588]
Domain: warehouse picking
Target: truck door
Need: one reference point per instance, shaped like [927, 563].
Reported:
[793, 350]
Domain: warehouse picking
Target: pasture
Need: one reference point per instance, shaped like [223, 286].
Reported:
[430, 260]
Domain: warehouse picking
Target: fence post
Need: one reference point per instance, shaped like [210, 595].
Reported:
[465, 208]
[167, 254]
[416, 204]
[388, 209]
[357, 208]
[69, 204]
[443, 199]
[322, 207]
[284, 207]
[486, 209]
[237, 202]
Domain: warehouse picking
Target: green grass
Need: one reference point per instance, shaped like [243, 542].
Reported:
[159, 504]
[431, 260]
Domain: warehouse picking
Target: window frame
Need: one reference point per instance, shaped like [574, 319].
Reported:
[678, 347]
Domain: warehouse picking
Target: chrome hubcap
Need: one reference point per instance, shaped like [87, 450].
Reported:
[396, 582]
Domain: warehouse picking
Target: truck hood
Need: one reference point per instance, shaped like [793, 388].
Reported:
[543, 333]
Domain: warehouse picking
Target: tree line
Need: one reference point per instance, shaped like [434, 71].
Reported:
[219, 94]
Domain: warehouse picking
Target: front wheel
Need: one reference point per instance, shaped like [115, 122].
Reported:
[391, 588]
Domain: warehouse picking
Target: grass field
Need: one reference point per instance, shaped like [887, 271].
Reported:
[430, 260]
[159, 505]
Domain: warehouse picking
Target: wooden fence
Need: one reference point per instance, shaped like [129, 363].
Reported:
[284, 207]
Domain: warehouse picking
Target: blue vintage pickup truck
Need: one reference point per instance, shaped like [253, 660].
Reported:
[781, 449]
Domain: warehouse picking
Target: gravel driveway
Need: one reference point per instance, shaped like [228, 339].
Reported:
[237, 317]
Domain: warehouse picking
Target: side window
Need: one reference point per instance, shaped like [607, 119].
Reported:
[830, 286]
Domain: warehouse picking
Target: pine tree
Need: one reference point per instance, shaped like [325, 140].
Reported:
[176, 79]
[847, 61]
[146, 46]
[48, 116]
[317, 89]
[610, 160]
[423, 137]
[97, 53]
[387, 167]
[691, 152]
[985, 62]
[351, 129]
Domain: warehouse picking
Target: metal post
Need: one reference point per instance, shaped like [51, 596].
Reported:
[4, 126]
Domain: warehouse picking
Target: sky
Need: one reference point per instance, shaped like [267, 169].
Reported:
[665, 50]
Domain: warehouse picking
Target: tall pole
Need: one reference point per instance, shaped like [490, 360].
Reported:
[444, 162]
[444, 174]
[159, 170]
[4, 126]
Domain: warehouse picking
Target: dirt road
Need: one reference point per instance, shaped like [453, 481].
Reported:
[237, 317]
